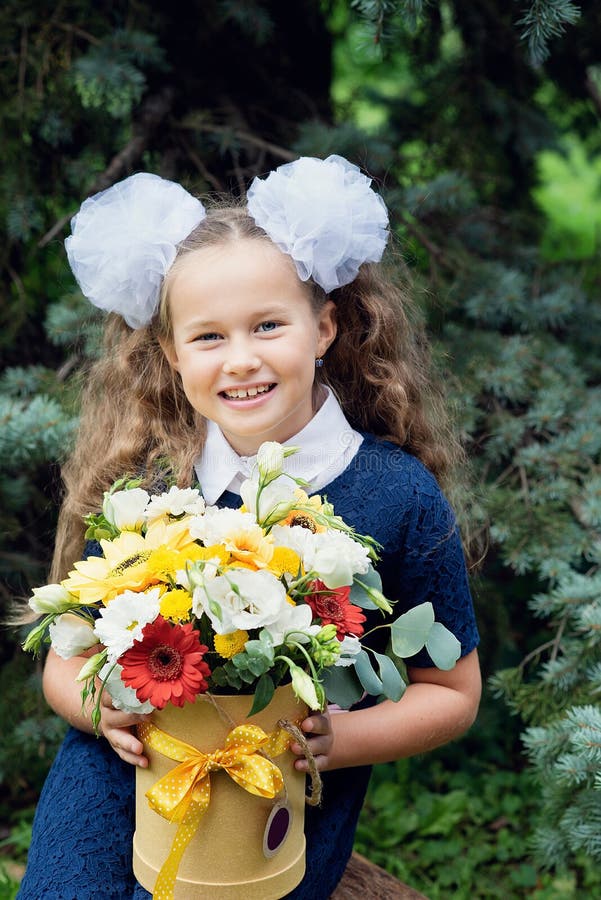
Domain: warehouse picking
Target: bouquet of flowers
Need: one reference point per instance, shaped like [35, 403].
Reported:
[188, 598]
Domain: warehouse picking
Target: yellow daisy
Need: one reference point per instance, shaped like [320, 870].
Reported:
[124, 565]
[303, 514]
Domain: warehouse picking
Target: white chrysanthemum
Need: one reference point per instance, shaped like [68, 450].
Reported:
[217, 525]
[336, 557]
[324, 214]
[350, 647]
[122, 621]
[71, 635]
[123, 697]
[242, 599]
[126, 509]
[124, 240]
[175, 502]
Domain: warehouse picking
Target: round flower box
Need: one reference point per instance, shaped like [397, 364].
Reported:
[234, 851]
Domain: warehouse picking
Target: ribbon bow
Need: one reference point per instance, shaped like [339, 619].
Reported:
[184, 793]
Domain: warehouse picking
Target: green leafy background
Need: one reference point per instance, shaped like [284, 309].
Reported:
[480, 126]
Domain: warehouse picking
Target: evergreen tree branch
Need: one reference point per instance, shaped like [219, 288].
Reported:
[152, 112]
[245, 137]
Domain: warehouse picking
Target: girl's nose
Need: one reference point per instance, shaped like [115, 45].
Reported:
[240, 358]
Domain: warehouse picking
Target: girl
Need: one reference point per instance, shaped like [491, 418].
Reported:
[229, 328]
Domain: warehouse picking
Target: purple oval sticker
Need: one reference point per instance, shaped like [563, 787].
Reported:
[277, 828]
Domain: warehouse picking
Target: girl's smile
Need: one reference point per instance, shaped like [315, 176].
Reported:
[244, 340]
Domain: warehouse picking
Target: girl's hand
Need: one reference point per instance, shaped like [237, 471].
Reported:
[318, 731]
[118, 728]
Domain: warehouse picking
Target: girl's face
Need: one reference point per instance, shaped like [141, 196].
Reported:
[245, 340]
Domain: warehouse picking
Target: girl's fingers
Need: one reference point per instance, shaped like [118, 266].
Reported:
[316, 724]
[132, 758]
[321, 763]
[127, 746]
[318, 731]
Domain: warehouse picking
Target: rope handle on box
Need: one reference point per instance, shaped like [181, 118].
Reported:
[312, 799]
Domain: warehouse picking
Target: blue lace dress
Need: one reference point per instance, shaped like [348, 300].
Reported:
[82, 834]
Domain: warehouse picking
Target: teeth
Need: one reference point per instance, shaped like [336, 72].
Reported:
[240, 394]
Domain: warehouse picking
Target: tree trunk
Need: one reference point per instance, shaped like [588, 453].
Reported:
[362, 879]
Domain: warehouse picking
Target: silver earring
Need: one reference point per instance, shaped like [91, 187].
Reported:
[318, 363]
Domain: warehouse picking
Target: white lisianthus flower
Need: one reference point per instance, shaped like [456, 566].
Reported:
[350, 647]
[335, 558]
[122, 621]
[175, 502]
[242, 599]
[270, 459]
[92, 666]
[71, 635]
[275, 501]
[125, 509]
[51, 598]
[216, 525]
[196, 576]
[303, 687]
[295, 620]
[123, 697]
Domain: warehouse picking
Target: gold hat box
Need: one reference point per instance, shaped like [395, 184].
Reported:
[225, 859]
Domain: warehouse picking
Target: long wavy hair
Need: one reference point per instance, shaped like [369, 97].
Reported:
[136, 418]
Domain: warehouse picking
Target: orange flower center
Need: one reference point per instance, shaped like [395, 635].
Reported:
[302, 519]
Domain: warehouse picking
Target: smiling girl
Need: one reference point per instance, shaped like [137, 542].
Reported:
[228, 328]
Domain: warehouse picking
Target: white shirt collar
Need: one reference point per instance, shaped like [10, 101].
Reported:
[327, 446]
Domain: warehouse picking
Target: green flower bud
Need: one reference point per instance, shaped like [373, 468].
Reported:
[92, 666]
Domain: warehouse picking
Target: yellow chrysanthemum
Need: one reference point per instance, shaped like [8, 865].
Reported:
[213, 552]
[227, 645]
[164, 562]
[176, 606]
[250, 545]
[285, 559]
[125, 562]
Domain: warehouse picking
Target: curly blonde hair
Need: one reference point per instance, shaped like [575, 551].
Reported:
[135, 415]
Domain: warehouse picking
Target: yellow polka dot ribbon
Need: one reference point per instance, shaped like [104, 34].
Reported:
[184, 793]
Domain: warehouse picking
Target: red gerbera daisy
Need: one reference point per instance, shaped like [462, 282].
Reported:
[333, 607]
[166, 666]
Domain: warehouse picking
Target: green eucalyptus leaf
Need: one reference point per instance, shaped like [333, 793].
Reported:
[443, 647]
[411, 630]
[366, 674]
[393, 685]
[359, 595]
[341, 685]
[264, 692]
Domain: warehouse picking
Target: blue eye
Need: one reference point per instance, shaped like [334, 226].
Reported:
[209, 336]
[268, 326]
